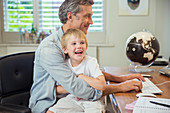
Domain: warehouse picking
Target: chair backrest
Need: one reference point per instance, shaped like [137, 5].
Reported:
[16, 78]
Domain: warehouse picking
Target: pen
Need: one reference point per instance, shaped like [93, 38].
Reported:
[161, 104]
[147, 76]
[169, 62]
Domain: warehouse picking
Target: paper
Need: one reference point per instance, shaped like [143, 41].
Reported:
[131, 105]
[143, 105]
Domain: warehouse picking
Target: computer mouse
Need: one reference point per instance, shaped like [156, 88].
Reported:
[145, 95]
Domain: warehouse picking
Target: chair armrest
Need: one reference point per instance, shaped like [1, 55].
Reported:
[11, 108]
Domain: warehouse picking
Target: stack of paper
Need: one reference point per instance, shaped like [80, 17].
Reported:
[152, 105]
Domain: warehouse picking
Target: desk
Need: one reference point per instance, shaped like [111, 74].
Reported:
[119, 100]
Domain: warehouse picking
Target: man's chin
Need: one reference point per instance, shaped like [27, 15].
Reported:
[85, 31]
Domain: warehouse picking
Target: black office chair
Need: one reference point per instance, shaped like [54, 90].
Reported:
[16, 78]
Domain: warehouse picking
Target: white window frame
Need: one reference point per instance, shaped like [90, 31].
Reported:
[92, 37]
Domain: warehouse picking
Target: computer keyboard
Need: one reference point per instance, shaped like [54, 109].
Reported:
[150, 87]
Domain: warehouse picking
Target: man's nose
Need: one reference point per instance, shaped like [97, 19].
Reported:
[91, 21]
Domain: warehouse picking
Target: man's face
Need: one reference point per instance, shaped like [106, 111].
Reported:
[83, 19]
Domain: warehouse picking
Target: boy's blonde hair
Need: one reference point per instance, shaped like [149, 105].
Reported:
[75, 32]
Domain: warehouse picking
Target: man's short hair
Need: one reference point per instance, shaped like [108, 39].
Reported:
[72, 6]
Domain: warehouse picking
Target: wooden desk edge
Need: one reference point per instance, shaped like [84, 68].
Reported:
[114, 103]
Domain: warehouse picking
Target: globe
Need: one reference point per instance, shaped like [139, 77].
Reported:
[142, 48]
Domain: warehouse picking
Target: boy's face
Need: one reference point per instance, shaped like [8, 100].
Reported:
[75, 48]
[83, 19]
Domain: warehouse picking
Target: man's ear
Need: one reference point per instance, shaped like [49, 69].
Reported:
[69, 16]
[65, 50]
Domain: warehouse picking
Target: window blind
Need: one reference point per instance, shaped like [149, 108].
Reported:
[48, 14]
[19, 13]
[97, 16]
[49, 20]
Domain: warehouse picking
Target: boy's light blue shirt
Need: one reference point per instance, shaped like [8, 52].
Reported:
[49, 68]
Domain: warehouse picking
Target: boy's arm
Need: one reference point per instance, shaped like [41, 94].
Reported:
[98, 83]
[60, 90]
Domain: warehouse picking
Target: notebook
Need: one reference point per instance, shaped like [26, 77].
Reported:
[143, 105]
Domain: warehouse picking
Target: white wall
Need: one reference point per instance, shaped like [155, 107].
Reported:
[121, 27]
[162, 26]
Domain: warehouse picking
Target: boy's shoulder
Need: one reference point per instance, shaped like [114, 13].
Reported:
[90, 59]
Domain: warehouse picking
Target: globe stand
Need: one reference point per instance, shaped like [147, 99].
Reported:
[136, 68]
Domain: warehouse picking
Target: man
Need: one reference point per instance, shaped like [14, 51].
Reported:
[50, 66]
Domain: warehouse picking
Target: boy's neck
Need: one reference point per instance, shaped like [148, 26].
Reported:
[75, 63]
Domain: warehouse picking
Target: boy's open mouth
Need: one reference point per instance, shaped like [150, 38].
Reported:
[79, 52]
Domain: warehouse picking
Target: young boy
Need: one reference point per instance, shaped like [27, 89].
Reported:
[74, 44]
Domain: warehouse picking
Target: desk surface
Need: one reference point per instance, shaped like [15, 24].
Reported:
[119, 100]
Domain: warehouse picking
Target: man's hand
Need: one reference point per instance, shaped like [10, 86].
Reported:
[132, 76]
[130, 85]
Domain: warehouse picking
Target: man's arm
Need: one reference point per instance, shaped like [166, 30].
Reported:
[123, 87]
[127, 83]
[98, 83]
[122, 78]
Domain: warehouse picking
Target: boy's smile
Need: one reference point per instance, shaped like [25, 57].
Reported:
[79, 52]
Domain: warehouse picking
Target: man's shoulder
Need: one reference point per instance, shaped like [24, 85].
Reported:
[51, 40]
[54, 37]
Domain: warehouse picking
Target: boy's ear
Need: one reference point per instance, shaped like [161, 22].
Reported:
[65, 50]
